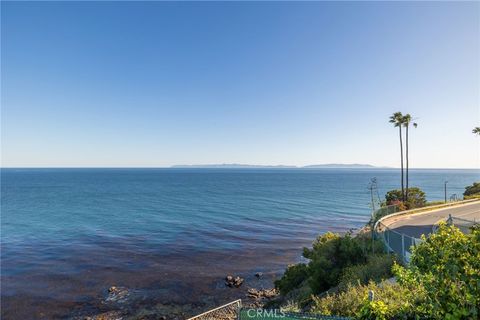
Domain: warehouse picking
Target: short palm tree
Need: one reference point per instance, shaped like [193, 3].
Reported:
[476, 131]
[407, 119]
[397, 120]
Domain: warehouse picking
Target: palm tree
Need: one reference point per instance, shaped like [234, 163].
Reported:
[397, 120]
[406, 123]
[476, 131]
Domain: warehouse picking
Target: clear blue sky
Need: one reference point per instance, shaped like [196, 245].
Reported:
[156, 84]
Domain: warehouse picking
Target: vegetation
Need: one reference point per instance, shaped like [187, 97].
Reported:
[473, 196]
[447, 266]
[416, 198]
[336, 260]
[476, 131]
[434, 203]
[377, 268]
[292, 278]
[346, 275]
[472, 190]
[441, 282]
[390, 300]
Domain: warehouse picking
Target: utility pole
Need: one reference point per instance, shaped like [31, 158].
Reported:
[371, 197]
[373, 186]
[445, 189]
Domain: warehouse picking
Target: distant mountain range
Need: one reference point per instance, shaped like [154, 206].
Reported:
[252, 166]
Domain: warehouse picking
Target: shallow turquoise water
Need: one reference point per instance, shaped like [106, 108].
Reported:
[151, 228]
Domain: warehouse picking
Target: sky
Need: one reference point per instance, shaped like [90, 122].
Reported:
[154, 84]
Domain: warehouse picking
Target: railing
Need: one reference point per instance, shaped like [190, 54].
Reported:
[383, 212]
[464, 225]
[403, 244]
[397, 242]
[228, 311]
[378, 213]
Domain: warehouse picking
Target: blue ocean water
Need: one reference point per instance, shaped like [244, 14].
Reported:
[69, 233]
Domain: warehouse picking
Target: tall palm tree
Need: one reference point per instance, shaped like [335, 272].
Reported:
[407, 119]
[397, 120]
[476, 131]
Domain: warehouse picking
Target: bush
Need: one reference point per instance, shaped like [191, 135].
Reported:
[329, 255]
[353, 302]
[434, 203]
[416, 198]
[473, 196]
[292, 278]
[447, 266]
[474, 189]
[377, 268]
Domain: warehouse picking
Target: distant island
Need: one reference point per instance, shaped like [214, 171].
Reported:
[341, 165]
[253, 166]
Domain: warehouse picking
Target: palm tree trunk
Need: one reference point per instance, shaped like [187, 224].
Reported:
[401, 161]
[406, 156]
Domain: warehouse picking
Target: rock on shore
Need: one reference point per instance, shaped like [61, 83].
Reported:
[231, 281]
[117, 294]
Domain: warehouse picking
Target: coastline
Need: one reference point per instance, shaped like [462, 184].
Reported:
[161, 285]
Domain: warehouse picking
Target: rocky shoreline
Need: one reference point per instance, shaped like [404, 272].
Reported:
[121, 303]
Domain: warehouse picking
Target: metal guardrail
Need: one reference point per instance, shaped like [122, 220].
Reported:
[464, 225]
[397, 242]
[383, 212]
[403, 244]
[420, 210]
[228, 311]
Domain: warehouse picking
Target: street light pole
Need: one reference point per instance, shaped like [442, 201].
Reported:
[445, 189]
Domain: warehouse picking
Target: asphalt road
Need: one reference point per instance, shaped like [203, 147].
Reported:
[422, 223]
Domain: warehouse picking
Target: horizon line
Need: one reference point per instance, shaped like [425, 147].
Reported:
[280, 167]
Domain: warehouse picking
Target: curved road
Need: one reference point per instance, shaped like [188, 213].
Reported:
[415, 225]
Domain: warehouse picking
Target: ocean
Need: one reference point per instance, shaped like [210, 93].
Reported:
[171, 235]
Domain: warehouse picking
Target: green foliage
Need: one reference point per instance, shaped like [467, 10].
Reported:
[434, 203]
[393, 196]
[377, 268]
[329, 255]
[416, 198]
[333, 259]
[292, 278]
[441, 282]
[353, 301]
[377, 310]
[474, 189]
[447, 266]
[473, 196]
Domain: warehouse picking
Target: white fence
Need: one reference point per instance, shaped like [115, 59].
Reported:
[228, 311]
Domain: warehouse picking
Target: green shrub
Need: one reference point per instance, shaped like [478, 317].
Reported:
[353, 302]
[416, 198]
[447, 266]
[377, 268]
[434, 203]
[329, 255]
[473, 196]
[292, 278]
[442, 281]
[334, 257]
[474, 189]
[377, 310]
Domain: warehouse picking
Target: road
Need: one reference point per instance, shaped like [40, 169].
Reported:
[422, 223]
